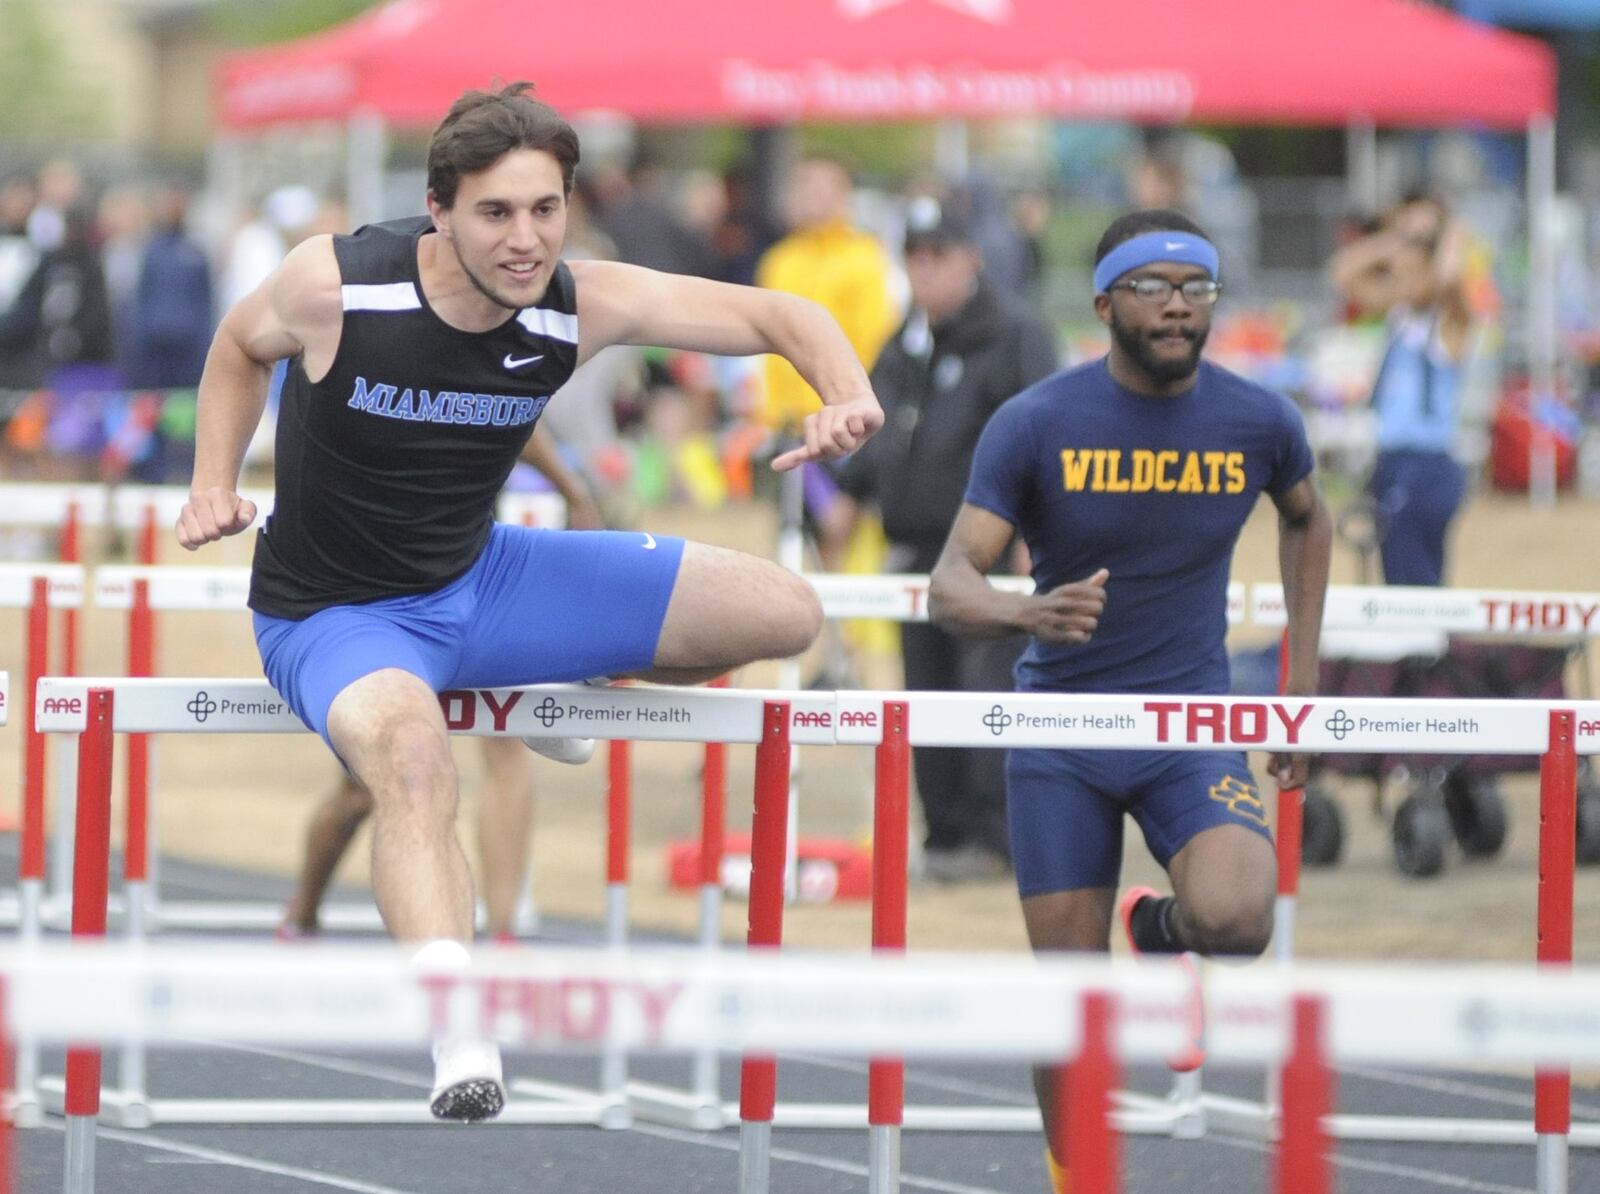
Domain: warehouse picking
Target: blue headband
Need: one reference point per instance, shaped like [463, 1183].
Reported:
[1150, 247]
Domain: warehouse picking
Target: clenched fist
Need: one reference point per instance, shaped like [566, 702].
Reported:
[211, 514]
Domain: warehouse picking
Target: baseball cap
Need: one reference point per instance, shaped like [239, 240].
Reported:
[930, 222]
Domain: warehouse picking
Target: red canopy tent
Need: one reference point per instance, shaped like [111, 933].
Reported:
[1359, 63]
[1235, 61]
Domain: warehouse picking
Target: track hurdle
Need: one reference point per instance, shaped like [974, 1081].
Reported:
[1551, 729]
[995, 1006]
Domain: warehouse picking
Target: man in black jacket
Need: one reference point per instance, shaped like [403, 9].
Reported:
[963, 350]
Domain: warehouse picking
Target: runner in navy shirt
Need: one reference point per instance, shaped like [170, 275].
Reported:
[1129, 479]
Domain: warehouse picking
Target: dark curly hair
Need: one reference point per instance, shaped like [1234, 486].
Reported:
[483, 126]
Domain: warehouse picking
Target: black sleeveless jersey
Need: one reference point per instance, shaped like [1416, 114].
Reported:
[388, 468]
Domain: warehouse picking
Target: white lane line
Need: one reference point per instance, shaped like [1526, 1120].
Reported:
[335, 1065]
[1461, 1088]
[1432, 1177]
[212, 1156]
[793, 1156]
[916, 1077]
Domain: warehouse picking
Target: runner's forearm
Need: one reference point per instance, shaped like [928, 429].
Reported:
[233, 393]
[811, 340]
[1304, 546]
[962, 601]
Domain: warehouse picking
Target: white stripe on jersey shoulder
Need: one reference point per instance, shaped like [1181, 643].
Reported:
[555, 325]
[388, 296]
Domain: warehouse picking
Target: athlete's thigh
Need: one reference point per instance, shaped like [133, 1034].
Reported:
[729, 608]
[1066, 827]
[311, 661]
[554, 606]
[1204, 820]
[1226, 876]
[389, 730]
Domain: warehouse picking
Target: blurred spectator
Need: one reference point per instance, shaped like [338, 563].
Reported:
[1410, 272]
[1156, 180]
[62, 313]
[1004, 252]
[263, 240]
[122, 229]
[965, 348]
[639, 218]
[845, 270]
[19, 256]
[744, 233]
[60, 327]
[61, 189]
[1030, 215]
[828, 260]
[172, 329]
[582, 415]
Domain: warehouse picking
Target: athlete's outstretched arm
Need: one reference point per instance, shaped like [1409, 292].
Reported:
[626, 304]
[1305, 541]
[296, 306]
[962, 600]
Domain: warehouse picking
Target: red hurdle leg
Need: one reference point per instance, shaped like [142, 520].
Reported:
[619, 826]
[1307, 1083]
[886, 1082]
[90, 888]
[1558, 828]
[1084, 1099]
[769, 833]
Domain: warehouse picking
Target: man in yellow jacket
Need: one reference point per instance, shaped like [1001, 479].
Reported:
[828, 260]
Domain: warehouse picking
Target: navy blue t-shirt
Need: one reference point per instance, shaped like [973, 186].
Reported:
[1156, 491]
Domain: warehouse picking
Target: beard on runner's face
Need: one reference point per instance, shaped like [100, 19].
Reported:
[485, 289]
[1166, 353]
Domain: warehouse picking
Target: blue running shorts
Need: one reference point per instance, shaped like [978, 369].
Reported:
[537, 607]
[1066, 807]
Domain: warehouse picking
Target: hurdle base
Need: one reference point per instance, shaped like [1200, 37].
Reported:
[25, 1111]
[1171, 1115]
[673, 1108]
[576, 1108]
[1140, 1115]
[1242, 1117]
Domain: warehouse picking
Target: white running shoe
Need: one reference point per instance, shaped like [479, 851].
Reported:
[468, 1083]
[563, 750]
[572, 751]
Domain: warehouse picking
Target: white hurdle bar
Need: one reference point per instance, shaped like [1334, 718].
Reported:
[931, 1006]
[1559, 731]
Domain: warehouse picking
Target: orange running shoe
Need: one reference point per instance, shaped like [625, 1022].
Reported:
[1193, 1055]
[1060, 1179]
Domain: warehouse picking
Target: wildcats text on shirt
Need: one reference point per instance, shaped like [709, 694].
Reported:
[1111, 470]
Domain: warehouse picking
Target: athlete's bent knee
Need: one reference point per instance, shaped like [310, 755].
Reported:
[415, 776]
[793, 617]
[1234, 931]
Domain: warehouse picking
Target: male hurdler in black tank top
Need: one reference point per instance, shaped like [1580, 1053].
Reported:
[388, 468]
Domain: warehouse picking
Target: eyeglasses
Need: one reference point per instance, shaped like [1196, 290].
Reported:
[1197, 292]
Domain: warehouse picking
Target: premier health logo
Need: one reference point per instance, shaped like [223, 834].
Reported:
[1339, 725]
[997, 719]
[548, 712]
[201, 707]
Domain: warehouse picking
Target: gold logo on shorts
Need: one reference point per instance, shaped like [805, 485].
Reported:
[1240, 797]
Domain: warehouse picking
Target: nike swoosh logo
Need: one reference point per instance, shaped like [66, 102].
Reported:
[512, 362]
[649, 541]
[1174, 245]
